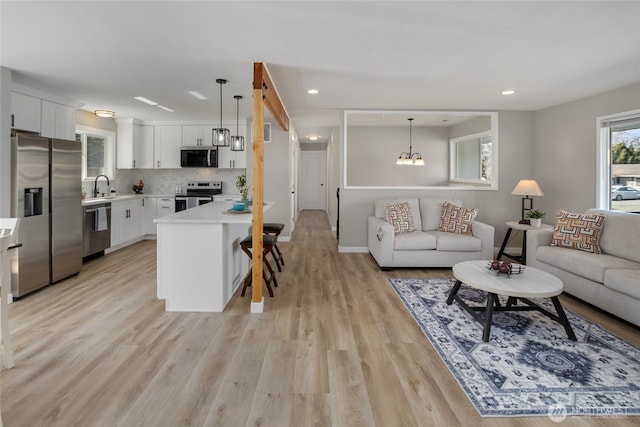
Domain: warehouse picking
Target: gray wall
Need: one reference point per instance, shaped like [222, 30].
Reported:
[373, 151]
[555, 146]
[564, 159]
[85, 118]
[276, 175]
[470, 127]
[333, 173]
[5, 142]
[515, 135]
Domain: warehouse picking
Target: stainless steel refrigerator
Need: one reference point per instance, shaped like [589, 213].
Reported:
[46, 195]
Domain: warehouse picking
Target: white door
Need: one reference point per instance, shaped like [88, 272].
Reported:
[313, 180]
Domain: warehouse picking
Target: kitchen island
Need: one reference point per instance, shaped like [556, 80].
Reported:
[199, 260]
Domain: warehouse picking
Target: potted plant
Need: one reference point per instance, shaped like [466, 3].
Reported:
[535, 216]
[241, 185]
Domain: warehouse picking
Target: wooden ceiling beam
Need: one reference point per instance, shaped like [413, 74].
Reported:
[262, 80]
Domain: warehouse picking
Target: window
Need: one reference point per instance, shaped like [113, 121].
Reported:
[619, 162]
[97, 151]
[470, 158]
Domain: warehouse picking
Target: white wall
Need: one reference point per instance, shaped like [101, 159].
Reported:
[564, 159]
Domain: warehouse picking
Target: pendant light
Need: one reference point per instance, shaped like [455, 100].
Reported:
[410, 158]
[221, 135]
[237, 141]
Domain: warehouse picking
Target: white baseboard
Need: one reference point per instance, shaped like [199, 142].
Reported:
[353, 249]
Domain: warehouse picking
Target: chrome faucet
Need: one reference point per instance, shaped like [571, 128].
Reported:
[95, 185]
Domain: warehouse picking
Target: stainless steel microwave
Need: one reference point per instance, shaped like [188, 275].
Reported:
[198, 157]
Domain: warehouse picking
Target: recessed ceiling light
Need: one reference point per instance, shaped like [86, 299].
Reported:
[197, 94]
[508, 92]
[145, 100]
[104, 113]
[165, 108]
[313, 138]
[313, 91]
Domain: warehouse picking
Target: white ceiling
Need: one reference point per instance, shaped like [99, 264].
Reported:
[380, 54]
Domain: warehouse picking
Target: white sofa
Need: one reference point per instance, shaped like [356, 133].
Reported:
[610, 280]
[426, 246]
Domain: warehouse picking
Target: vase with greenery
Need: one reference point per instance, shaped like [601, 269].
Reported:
[241, 185]
[535, 216]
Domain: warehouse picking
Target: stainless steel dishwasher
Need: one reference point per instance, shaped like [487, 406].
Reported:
[96, 229]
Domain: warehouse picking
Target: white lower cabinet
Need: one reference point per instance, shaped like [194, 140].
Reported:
[156, 207]
[165, 206]
[126, 220]
[148, 215]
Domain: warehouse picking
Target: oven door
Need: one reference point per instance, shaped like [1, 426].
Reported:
[204, 200]
[181, 203]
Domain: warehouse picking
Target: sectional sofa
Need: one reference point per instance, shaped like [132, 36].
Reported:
[609, 280]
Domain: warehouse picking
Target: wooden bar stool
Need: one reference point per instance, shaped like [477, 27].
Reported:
[268, 242]
[274, 229]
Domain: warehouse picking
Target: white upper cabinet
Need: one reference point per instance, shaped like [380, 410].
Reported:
[127, 152]
[25, 112]
[196, 135]
[228, 159]
[134, 146]
[168, 140]
[144, 136]
[58, 121]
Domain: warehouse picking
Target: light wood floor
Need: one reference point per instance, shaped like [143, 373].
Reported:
[335, 347]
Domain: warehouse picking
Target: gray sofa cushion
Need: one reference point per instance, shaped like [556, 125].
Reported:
[584, 264]
[620, 234]
[457, 242]
[431, 211]
[414, 241]
[625, 281]
[380, 212]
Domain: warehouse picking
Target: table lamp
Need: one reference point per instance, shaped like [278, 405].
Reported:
[527, 187]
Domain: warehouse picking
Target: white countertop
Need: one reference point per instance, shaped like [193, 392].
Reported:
[209, 213]
[96, 200]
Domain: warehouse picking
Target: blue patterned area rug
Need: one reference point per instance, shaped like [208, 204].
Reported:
[529, 367]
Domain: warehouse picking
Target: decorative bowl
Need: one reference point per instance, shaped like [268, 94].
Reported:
[238, 206]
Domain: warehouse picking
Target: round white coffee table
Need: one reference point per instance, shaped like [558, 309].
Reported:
[532, 283]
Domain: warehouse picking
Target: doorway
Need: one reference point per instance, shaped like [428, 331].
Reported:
[313, 180]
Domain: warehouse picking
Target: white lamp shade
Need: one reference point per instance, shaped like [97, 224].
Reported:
[527, 187]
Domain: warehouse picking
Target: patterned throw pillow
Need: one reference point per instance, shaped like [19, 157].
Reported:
[578, 231]
[399, 215]
[456, 219]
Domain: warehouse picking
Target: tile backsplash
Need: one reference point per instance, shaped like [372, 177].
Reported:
[164, 181]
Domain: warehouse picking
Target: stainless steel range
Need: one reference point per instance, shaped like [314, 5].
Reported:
[197, 193]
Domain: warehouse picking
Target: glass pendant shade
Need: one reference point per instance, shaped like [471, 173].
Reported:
[237, 141]
[221, 136]
[410, 158]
